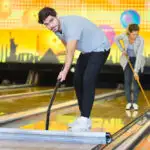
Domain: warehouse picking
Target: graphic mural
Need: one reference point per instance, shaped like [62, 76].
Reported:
[23, 40]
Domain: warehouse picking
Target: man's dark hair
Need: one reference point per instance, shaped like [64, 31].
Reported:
[45, 12]
[133, 27]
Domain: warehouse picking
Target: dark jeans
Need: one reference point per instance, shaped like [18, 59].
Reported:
[128, 78]
[87, 68]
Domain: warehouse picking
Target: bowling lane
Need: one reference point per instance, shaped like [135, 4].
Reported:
[22, 104]
[23, 90]
[107, 115]
[144, 143]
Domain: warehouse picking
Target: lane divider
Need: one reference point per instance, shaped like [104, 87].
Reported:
[33, 93]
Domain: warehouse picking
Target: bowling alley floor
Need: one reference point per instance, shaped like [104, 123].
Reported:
[18, 104]
[22, 90]
[107, 115]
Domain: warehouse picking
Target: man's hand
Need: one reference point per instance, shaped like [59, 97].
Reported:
[124, 53]
[62, 76]
[136, 76]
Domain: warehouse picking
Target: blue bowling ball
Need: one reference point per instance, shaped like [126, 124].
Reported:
[129, 17]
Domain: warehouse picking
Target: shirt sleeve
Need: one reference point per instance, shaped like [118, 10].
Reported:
[139, 56]
[117, 40]
[74, 33]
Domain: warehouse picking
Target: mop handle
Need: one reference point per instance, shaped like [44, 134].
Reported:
[138, 81]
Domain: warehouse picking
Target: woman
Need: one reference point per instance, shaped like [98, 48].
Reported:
[133, 49]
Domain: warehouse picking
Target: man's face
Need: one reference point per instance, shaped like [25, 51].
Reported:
[133, 35]
[52, 23]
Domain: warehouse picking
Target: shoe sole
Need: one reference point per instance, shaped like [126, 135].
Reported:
[78, 130]
[69, 129]
[70, 126]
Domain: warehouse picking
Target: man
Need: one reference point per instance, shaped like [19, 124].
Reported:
[79, 33]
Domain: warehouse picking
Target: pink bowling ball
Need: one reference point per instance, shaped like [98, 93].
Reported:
[109, 31]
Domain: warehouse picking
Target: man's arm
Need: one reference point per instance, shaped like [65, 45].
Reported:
[70, 49]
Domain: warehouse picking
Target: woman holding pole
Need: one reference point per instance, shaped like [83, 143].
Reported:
[132, 62]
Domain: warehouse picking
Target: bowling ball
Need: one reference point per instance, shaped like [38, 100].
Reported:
[109, 31]
[129, 17]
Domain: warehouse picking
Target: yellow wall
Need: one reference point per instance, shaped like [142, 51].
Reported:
[18, 20]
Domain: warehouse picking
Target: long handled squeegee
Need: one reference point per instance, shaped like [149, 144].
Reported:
[75, 137]
[51, 103]
[147, 101]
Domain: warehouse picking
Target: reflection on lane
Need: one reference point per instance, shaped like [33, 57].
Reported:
[107, 116]
[23, 104]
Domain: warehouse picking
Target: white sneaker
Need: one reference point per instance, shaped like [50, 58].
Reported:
[134, 114]
[128, 106]
[135, 106]
[82, 124]
[73, 123]
[128, 113]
